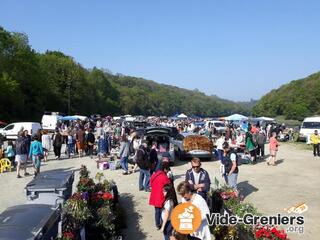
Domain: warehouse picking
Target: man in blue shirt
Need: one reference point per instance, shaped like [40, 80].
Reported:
[198, 178]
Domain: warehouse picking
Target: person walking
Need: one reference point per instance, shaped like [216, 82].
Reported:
[10, 153]
[185, 191]
[198, 178]
[22, 150]
[36, 153]
[261, 141]
[70, 144]
[46, 145]
[90, 139]
[80, 141]
[315, 141]
[124, 153]
[157, 182]
[250, 145]
[57, 141]
[273, 147]
[169, 203]
[144, 164]
[230, 166]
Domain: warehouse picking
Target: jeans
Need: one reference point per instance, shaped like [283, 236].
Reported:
[231, 180]
[144, 179]
[260, 150]
[220, 154]
[157, 216]
[124, 163]
[70, 148]
[167, 231]
[316, 149]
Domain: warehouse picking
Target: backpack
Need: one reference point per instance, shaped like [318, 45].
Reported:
[142, 159]
[228, 163]
[22, 146]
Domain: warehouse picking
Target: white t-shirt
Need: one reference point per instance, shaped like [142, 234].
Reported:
[220, 142]
[196, 177]
[233, 157]
[168, 205]
[203, 231]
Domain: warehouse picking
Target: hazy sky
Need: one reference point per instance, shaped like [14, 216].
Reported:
[234, 49]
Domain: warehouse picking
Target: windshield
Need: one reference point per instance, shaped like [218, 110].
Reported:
[312, 125]
[217, 124]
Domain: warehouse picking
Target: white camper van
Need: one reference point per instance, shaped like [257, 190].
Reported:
[308, 126]
[11, 130]
[49, 121]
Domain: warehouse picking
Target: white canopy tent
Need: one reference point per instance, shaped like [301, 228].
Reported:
[182, 116]
[236, 117]
[265, 118]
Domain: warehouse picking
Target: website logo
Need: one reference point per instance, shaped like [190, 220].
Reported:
[186, 218]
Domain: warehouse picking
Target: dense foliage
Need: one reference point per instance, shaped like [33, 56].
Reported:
[296, 100]
[31, 83]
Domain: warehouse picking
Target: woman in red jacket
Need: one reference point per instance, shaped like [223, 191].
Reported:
[158, 180]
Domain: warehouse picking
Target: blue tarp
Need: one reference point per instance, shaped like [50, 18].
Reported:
[69, 118]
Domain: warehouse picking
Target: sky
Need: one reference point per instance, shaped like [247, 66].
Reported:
[238, 50]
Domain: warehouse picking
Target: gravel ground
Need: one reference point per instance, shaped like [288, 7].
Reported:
[271, 189]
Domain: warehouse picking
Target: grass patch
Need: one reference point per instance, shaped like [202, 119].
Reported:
[299, 145]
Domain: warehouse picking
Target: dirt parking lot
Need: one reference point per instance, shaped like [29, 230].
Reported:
[271, 189]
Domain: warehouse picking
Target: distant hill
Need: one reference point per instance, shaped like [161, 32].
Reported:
[140, 96]
[295, 100]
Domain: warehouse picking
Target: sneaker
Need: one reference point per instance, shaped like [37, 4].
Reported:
[18, 176]
[26, 174]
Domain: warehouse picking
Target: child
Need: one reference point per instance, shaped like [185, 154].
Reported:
[169, 203]
[36, 153]
[70, 144]
[9, 153]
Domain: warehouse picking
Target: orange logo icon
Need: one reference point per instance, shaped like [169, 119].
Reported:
[186, 218]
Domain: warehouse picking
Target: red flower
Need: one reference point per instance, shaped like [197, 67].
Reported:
[69, 235]
[107, 196]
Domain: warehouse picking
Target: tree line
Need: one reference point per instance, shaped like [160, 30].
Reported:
[33, 82]
[295, 100]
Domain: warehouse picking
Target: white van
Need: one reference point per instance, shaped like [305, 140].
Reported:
[308, 126]
[49, 122]
[219, 125]
[11, 130]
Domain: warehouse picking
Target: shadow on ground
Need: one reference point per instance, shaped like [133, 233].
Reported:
[133, 230]
[246, 188]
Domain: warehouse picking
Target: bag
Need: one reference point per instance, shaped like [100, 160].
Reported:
[142, 159]
[228, 163]
[131, 149]
[22, 146]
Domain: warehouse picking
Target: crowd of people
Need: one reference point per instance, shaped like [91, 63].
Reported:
[99, 138]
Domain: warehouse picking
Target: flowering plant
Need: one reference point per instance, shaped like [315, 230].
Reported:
[263, 233]
[68, 236]
[85, 184]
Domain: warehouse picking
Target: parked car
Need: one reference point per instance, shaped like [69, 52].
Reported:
[190, 145]
[308, 126]
[219, 125]
[161, 135]
[11, 130]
